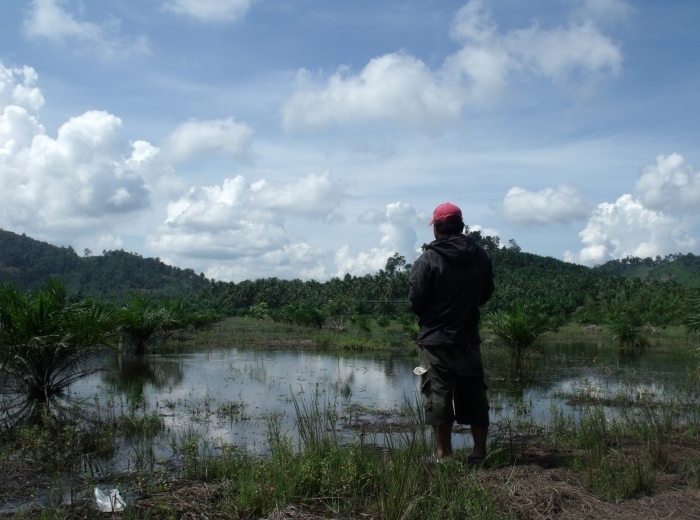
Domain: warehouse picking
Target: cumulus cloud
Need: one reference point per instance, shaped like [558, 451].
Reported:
[391, 86]
[670, 185]
[210, 10]
[71, 181]
[398, 234]
[627, 228]
[87, 175]
[548, 206]
[241, 225]
[401, 87]
[48, 20]
[194, 138]
[18, 88]
[577, 52]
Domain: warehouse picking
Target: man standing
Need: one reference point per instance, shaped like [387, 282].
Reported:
[449, 282]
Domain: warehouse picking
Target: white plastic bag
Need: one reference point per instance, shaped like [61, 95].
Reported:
[109, 503]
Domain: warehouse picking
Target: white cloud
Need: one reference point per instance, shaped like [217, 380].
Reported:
[548, 206]
[70, 182]
[577, 53]
[671, 185]
[627, 228]
[210, 10]
[401, 87]
[194, 138]
[87, 176]
[47, 19]
[97, 244]
[240, 225]
[393, 86]
[398, 235]
[312, 196]
[604, 11]
[18, 87]
[485, 231]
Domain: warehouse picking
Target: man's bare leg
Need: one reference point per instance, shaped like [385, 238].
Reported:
[443, 438]
[479, 434]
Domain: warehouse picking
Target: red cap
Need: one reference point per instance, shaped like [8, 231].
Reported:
[446, 211]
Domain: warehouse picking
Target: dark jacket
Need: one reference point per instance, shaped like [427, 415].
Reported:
[449, 282]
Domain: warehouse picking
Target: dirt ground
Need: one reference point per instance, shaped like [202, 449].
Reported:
[532, 492]
[529, 492]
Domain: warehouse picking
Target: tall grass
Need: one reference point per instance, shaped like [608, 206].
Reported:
[326, 474]
[620, 456]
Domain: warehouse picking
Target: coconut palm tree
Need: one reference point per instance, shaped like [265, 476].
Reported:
[46, 342]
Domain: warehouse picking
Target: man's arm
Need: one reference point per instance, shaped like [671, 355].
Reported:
[489, 286]
[421, 285]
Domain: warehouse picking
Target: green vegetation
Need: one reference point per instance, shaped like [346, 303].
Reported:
[46, 342]
[143, 322]
[517, 331]
[680, 268]
[49, 336]
[560, 290]
[691, 320]
[28, 263]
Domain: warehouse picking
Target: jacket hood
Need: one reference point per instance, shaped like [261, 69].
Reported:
[455, 249]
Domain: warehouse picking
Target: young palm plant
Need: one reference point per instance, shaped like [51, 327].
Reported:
[517, 330]
[143, 322]
[691, 320]
[46, 342]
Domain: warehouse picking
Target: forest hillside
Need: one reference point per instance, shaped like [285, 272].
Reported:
[28, 263]
[654, 291]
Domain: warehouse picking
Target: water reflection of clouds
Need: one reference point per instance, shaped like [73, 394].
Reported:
[266, 380]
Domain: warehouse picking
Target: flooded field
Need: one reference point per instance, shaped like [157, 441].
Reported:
[228, 395]
[161, 414]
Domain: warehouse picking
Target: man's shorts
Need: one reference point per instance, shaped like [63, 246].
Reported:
[453, 387]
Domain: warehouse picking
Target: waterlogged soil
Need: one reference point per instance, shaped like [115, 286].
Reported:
[229, 394]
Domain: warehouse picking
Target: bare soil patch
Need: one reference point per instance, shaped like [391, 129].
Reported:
[535, 493]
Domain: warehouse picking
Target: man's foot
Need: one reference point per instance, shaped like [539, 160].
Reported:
[431, 460]
[474, 459]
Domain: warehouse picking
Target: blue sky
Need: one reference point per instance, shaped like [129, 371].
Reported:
[248, 138]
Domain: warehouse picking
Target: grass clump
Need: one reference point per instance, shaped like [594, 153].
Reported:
[620, 457]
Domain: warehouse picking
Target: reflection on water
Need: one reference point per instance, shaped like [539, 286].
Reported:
[227, 394]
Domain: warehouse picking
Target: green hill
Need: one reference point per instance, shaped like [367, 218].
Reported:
[652, 290]
[680, 268]
[27, 263]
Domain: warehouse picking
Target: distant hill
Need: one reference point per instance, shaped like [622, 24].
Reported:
[653, 289]
[27, 263]
[680, 268]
